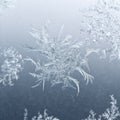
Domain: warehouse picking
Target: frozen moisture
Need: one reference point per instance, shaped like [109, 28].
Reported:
[62, 57]
[11, 66]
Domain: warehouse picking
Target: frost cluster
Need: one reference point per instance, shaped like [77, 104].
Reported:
[101, 28]
[111, 113]
[45, 116]
[58, 59]
[11, 66]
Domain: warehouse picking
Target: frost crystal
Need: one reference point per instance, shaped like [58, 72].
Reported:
[92, 116]
[11, 66]
[45, 116]
[111, 113]
[58, 59]
[102, 26]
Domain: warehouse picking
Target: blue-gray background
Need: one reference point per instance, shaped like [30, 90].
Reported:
[15, 25]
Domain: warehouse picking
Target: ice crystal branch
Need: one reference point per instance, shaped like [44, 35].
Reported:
[111, 113]
[101, 24]
[92, 116]
[45, 116]
[62, 57]
[11, 66]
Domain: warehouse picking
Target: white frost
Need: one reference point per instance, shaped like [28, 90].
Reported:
[11, 66]
[62, 57]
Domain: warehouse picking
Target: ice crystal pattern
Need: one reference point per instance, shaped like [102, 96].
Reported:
[45, 116]
[111, 113]
[58, 59]
[101, 24]
[11, 66]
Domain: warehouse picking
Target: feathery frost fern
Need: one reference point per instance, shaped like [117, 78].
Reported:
[111, 113]
[58, 59]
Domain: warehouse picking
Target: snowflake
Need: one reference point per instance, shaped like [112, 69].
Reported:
[11, 66]
[58, 59]
[45, 116]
